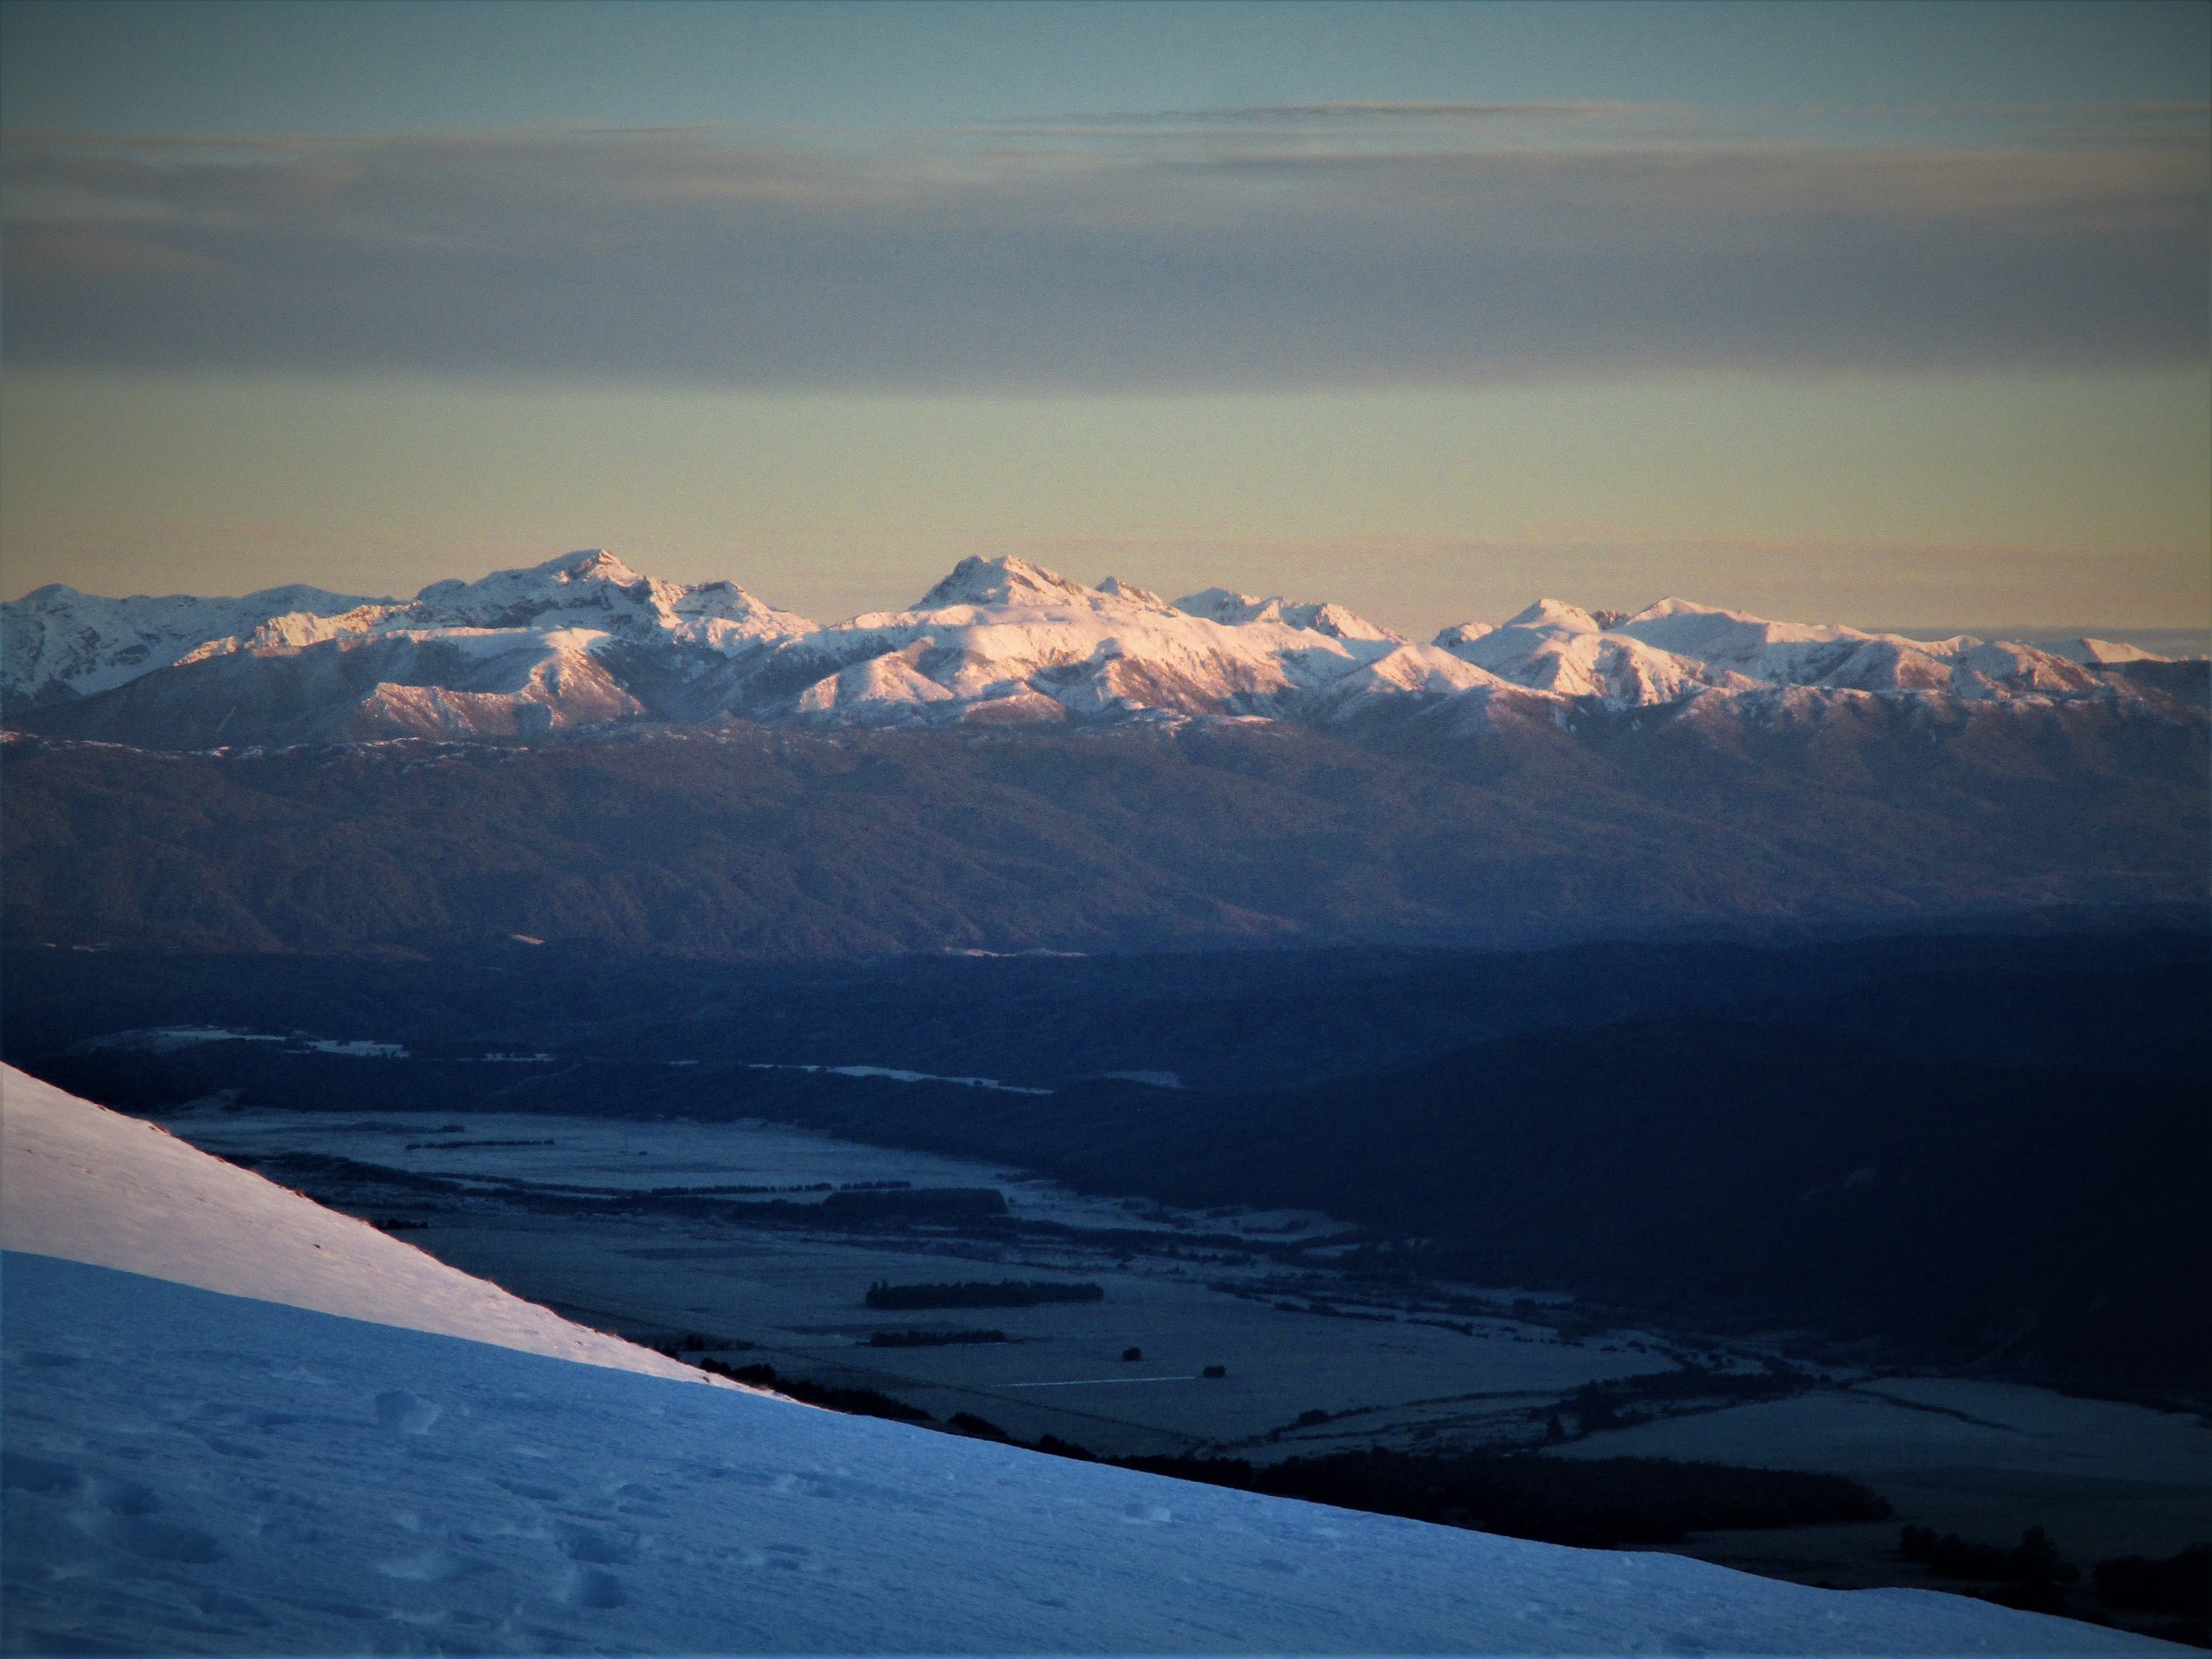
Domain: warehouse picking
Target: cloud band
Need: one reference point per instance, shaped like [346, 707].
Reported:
[1255, 255]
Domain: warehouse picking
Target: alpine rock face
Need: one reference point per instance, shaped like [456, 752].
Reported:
[583, 641]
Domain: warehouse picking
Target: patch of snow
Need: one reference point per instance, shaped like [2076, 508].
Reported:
[896, 1075]
[89, 1184]
[195, 1472]
[170, 1039]
[2103, 653]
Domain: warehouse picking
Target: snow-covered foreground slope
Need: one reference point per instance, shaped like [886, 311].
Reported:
[194, 1472]
[89, 1185]
[585, 640]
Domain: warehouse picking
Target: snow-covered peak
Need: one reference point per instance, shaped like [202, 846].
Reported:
[2002, 668]
[595, 590]
[1230, 609]
[1336, 622]
[1712, 634]
[1463, 634]
[57, 643]
[2103, 653]
[1117, 588]
[1555, 615]
[1565, 650]
[585, 566]
[1225, 605]
[592, 582]
[1006, 641]
[289, 596]
[1000, 581]
[588, 638]
[1678, 648]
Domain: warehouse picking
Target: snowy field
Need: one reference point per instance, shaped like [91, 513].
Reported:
[793, 1297]
[1984, 1460]
[1972, 1458]
[191, 1472]
[630, 1155]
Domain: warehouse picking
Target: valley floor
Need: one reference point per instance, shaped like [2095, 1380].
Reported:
[590, 1217]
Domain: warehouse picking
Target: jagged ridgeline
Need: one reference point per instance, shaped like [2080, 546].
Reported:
[584, 640]
[589, 757]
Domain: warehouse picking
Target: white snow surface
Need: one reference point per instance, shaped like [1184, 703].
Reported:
[192, 1472]
[1675, 649]
[584, 640]
[83, 1183]
[57, 641]
[188, 1472]
[2088, 651]
[1003, 639]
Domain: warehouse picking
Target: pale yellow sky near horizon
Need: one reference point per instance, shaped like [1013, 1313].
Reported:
[2046, 499]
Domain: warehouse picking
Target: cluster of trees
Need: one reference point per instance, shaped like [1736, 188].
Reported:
[1612, 1404]
[2034, 1560]
[2181, 1584]
[933, 1339]
[1005, 1293]
[2032, 1575]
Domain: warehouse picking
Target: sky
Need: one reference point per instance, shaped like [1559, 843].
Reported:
[1891, 315]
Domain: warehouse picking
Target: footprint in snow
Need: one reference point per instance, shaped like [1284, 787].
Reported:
[36, 1474]
[601, 1548]
[121, 1497]
[229, 1446]
[429, 1566]
[405, 1413]
[594, 1587]
[162, 1541]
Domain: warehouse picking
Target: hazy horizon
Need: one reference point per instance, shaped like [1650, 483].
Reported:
[1837, 312]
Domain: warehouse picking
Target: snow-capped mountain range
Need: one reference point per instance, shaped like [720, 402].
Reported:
[585, 640]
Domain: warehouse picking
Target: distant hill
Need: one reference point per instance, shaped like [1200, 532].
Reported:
[765, 843]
